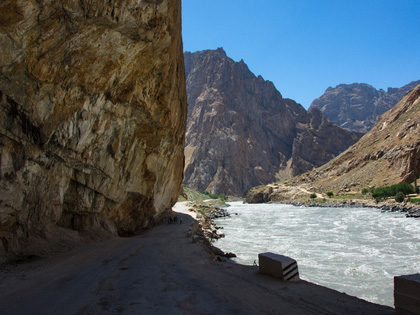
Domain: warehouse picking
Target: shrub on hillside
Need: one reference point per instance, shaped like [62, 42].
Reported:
[389, 191]
[330, 194]
[215, 196]
[399, 197]
[312, 196]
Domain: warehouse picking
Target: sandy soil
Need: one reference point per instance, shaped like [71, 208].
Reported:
[160, 272]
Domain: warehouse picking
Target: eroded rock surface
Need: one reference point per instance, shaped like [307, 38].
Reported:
[242, 133]
[386, 155]
[93, 111]
[358, 106]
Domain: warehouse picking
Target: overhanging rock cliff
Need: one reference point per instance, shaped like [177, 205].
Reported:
[92, 123]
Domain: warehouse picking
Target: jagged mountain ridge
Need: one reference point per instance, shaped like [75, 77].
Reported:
[386, 155]
[358, 106]
[241, 132]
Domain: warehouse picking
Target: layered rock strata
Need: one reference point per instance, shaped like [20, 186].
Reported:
[92, 123]
[241, 132]
[358, 106]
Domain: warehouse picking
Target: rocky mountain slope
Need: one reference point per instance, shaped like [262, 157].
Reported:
[358, 106]
[387, 155]
[92, 123]
[241, 132]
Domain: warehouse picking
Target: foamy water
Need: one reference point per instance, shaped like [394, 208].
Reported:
[353, 250]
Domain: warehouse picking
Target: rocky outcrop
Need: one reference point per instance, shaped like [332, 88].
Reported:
[93, 112]
[242, 133]
[358, 106]
[318, 141]
[387, 155]
[260, 194]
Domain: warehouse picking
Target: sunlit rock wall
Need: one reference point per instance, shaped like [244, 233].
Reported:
[92, 122]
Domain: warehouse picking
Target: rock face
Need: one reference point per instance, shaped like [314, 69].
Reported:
[358, 106]
[386, 155]
[241, 132]
[93, 113]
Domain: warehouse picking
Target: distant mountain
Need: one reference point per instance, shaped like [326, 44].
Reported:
[241, 132]
[386, 155]
[358, 106]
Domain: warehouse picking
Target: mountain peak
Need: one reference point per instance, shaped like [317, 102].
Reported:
[388, 154]
[242, 133]
[220, 50]
[357, 106]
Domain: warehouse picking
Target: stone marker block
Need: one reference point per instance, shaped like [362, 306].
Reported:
[407, 294]
[279, 266]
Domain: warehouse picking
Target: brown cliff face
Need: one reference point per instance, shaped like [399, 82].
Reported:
[319, 141]
[387, 155]
[358, 106]
[242, 133]
[93, 110]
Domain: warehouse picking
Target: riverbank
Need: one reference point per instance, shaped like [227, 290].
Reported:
[410, 210]
[305, 195]
[205, 214]
[350, 249]
[205, 230]
[161, 271]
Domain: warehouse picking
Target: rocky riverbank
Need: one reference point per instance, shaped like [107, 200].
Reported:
[410, 211]
[299, 196]
[205, 230]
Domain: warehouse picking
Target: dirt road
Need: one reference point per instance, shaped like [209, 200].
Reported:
[159, 272]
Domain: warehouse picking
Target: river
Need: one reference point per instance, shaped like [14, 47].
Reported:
[353, 250]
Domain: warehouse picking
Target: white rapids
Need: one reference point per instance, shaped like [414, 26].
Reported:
[353, 250]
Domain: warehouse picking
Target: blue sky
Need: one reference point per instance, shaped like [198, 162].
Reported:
[305, 46]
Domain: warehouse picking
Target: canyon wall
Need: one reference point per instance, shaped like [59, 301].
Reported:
[388, 154]
[92, 124]
[242, 133]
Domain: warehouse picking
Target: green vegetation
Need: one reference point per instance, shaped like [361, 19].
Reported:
[365, 191]
[399, 197]
[319, 200]
[414, 200]
[193, 195]
[215, 196]
[330, 194]
[312, 196]
[198, 197]
[381, 193]
[344, 197]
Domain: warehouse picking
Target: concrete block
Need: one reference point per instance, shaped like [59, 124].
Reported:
[408, 284]
[407, 294]
[279, 266]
